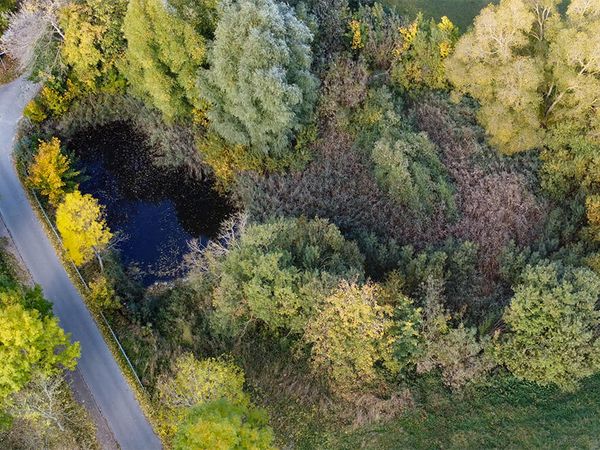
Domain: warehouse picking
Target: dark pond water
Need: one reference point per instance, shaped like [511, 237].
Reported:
[155, 210]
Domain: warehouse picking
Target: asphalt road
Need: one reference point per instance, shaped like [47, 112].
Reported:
[110, 391]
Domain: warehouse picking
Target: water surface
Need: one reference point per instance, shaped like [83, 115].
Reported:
[155, 210]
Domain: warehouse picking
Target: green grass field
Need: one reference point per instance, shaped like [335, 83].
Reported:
[505, 414]
[461, 12]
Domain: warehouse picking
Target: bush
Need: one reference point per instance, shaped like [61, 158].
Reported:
[497, 209]
[456, 352]
[337, 185]
[222, 425]
[103, 295]
[407, 166]
[193, 383]
[551, 326]
[420, 57]
[373, 33]
[276, 273]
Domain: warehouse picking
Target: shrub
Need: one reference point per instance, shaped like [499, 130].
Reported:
[193, 383]
[373, 32]
[551, 326]
[456, 352]
[344, 87]
[407, 166]
[420, 56]
[103, 295]
[277, 272]
[222, 425]
[497, 209]
[351, 336]
[337, 185]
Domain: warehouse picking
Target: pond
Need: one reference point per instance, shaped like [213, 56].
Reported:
[154, 210]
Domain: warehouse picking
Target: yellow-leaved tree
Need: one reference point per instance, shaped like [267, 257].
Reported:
[531, 68]
[352, 337]
[82, 226]
[50, 172]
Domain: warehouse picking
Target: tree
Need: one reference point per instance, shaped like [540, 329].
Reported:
[353, 335]
[33, 34]
[30, 345]
[275, 274]
[50, 172]
[525, 63]
[222, 425]
[80, 221]
[419, 59]
[164, 54]
[192, 383]
[551, 326]
[94, 43]
[259, 84]
[196, 382]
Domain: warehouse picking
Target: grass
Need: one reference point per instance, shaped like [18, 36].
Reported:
[505, 413]
[460, 12]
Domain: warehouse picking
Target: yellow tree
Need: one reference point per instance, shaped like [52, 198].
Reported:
[351, 337]
[531, 68]
[50, 171]
[82, 226]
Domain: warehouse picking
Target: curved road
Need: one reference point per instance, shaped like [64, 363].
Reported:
[110, 391]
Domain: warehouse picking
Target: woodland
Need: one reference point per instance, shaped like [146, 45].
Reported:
[411, 253]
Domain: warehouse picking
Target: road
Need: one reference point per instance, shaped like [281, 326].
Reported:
[99, 370]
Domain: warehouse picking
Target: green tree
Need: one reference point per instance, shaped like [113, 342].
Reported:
[30, 345]
[532, 68]
[222, 425]
[164, 54]
[93, 41]
[82, 227]
[551, 326]
[276, 273]
[259, 84]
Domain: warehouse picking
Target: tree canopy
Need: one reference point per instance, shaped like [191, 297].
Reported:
[80, 222]
[164, 54]
[31, 344]
[531, 66]
[258, 85]
[552, 326]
